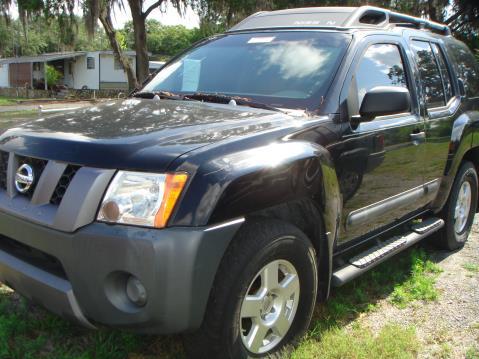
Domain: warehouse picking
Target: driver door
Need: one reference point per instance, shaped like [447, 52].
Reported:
[379, 168]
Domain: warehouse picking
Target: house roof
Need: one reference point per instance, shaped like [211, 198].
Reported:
[56, 56]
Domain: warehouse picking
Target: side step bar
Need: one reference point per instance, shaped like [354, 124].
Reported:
[387, 249]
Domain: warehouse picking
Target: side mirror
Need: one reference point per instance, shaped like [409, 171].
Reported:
[384, 100]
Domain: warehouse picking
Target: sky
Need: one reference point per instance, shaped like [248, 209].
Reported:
[167, 16]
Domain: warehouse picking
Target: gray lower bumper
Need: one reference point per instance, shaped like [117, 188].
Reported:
[177, 266]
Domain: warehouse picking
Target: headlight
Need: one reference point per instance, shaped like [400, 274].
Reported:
[143, 199]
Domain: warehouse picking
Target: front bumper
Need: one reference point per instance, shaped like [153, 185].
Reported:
[177, 266]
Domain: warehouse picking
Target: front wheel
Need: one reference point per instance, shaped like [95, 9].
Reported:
[460, 208]
[264, 294]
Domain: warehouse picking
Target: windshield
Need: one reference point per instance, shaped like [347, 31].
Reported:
[282, 69]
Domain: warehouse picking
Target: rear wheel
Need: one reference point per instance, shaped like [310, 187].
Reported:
[460, 208]
[263, 297]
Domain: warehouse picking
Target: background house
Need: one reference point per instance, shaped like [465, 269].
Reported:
[97, 70]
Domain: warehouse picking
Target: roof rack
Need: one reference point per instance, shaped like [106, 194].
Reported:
[338, 18]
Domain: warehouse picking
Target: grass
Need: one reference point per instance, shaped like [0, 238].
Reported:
[338, 343]
[420, 285]
[407, 278]
[471, 267]
[27, 331]
[7, 101]
[472, 353]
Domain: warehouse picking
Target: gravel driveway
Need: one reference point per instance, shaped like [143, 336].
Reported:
[448, 327]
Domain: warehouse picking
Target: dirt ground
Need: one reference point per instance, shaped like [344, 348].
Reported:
[448, 327]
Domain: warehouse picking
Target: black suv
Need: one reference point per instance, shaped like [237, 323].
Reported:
[251, 174]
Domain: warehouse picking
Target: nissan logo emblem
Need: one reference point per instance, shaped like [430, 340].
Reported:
[24, 178]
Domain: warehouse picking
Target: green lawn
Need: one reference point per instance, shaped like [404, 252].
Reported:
[27, 331]
[6, 101]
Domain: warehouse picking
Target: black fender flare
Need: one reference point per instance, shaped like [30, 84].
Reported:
[242, 183]
[464, 137]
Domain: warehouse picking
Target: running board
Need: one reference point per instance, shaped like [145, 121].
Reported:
[379, 253]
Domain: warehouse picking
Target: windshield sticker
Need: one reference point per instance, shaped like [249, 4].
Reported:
[260, 40]
[191, 75]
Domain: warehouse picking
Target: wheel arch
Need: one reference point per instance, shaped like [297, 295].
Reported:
[306, 216]
[463, 145]
[269, 181]
[473, 156]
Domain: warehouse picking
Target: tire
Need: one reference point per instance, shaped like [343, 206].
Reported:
[257, 248]
[456, 230]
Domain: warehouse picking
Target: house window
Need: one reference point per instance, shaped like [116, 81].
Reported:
[117, 65]
[70, 68]
[90, 63]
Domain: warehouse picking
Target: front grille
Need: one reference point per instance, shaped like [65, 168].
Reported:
[38, 166]
[3, 169]
[63, 184]
[32, 256]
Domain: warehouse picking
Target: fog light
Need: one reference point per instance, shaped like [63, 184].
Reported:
[136, 291]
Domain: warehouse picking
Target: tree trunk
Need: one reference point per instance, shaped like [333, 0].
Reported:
[432, 10]
[139, 26]
[105, 19]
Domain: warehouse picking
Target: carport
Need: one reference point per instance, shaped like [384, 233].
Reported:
[31, 70]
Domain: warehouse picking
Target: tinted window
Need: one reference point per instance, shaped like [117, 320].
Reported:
[446, 76]
[283, 69]
[466, 66]
[381, 65]
[429, 72]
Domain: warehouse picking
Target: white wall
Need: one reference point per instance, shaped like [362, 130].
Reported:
[4, 76]
[108, 72]
[84, 77]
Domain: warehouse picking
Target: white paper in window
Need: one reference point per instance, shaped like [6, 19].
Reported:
[261, 40]
[191, 75]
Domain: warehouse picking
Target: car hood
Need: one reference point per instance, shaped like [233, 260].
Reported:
[135, 133]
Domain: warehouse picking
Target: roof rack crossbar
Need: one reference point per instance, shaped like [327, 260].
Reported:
[398, 18]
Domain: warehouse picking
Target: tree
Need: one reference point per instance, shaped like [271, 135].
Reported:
[165, 41]
[216, 15]
[95, 10]
[464, 21]
[53, 76]
[139, 16]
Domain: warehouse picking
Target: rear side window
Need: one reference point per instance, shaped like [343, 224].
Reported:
[430, 75]
[446, 76]
[466, 66]
[381, 65]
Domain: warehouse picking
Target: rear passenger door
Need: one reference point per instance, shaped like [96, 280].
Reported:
[439, 105]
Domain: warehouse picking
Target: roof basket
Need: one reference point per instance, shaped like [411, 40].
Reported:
[338, 18]
[369, 15]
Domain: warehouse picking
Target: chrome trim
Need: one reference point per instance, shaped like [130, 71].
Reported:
[225, 224]
[378, 209]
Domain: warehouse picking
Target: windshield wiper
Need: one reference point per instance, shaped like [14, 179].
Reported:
[207, 97]
[160, 94]
[225, 99]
